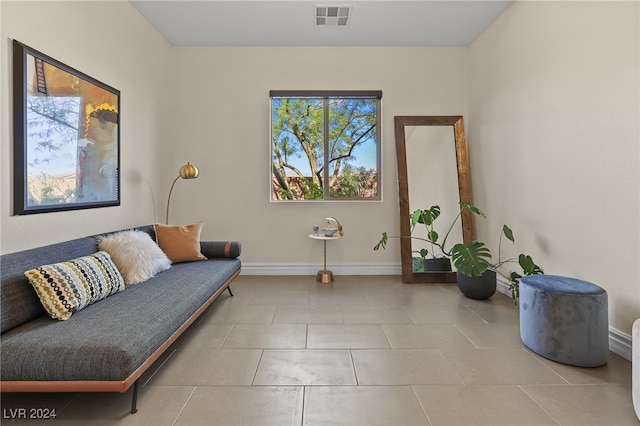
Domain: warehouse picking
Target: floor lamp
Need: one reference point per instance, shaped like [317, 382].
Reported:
[188, 171]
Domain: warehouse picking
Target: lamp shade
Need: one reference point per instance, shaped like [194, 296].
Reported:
[189, 171]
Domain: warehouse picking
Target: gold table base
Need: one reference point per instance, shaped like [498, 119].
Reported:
[324, 276]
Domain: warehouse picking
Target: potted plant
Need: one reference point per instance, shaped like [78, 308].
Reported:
[437, 258]
[477, 276]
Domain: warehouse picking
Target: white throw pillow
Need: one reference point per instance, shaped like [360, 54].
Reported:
[136, 255]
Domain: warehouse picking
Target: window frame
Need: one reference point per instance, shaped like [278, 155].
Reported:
[326, 96]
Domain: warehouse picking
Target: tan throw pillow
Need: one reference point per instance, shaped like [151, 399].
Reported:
[181, 243]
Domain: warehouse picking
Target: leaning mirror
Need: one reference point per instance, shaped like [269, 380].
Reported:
[433, 169]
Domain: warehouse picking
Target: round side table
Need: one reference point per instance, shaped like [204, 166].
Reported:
[324, 276]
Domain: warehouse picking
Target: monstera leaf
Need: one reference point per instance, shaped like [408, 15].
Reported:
[528, 265]
[508, 233]
[471, 259]
[472, 209]
[426, 217]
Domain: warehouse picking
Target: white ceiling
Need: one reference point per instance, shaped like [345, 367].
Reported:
[444, 23]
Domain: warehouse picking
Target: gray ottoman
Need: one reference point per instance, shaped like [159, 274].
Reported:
[564, 319]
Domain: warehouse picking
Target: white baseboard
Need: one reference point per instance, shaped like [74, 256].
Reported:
[311, 269]
[619, 342]
[503, 287]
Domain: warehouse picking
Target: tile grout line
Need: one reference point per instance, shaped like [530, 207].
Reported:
[173, 351]
[184, 406]
[255, 373]
[226, 336]
[71, 401]
[466, 337]
[304, 398]
[409, 313]
[450, 366]
[528, 352]
[353, 365]
[424, 410]
[470, 308]
[384, 333]
[536, 402]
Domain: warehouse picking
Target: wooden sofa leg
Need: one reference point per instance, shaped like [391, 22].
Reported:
[229, 288]
[134, 401]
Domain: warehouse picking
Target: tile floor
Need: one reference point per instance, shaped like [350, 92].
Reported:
[361, 351]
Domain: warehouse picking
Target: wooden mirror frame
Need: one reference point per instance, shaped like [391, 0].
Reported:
[464, 188]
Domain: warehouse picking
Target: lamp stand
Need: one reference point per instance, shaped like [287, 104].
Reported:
[169, 199]
[188, 171]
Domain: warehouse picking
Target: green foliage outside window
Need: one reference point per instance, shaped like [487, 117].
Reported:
[325, 148]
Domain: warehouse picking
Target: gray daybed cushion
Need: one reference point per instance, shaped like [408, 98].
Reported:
[20, 302]
[116, 351]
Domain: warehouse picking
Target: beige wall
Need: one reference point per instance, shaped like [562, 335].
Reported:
[221, 123]
[111, 42]
[555, 141]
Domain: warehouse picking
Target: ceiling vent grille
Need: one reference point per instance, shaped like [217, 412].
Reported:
[332, 16]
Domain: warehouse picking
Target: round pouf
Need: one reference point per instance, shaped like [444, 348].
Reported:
[564, 319]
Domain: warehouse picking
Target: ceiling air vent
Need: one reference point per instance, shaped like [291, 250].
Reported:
[332, 16]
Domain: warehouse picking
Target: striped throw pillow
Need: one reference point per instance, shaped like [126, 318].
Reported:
[67, 287]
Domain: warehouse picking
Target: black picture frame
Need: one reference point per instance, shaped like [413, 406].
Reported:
[66, 136]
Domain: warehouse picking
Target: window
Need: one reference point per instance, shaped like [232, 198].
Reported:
[325, 145]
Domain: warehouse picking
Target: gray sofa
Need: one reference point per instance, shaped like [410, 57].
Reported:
[108, 345]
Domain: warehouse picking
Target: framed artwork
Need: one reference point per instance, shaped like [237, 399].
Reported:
[66, 136]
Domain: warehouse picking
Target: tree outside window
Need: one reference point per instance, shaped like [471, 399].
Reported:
[325, 146]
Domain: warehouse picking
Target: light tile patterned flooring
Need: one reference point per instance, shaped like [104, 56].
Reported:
[363, 350]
